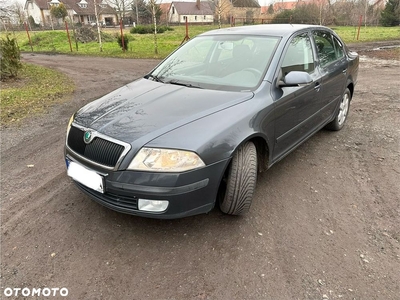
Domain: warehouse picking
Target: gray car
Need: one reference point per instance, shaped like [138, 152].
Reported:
[198, 128]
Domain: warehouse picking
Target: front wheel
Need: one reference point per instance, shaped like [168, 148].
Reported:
[241, 181]
[341, 116]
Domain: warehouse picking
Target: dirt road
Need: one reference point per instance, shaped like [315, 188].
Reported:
[324, 224]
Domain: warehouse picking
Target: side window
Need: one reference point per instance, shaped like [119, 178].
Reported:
[299, 56]
[325, 47]
[339, 48]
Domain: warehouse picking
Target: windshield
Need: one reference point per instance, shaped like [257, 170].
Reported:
[223, 62]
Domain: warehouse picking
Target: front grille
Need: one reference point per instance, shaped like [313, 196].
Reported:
[100, 151]
[116, 202]
[122, 201]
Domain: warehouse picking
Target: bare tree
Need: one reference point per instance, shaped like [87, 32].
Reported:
[12, 12]
[4, 12]
[222, 8]
[98, 25]
[153, 6]
[4, 7]
[122, 6]
[137, 11]
[18, 12]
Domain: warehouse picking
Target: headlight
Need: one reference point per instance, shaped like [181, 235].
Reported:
[165, 160]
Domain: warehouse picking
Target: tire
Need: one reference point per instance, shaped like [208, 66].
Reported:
[342, 113]
[241, 181]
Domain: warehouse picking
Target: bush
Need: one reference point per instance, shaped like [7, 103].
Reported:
[165, 28]
[126, 42]
[10, 58]
[282, 17]
[59, 11]
[88, 34]
[85, 35]
[149, 29]
[107, 37]
[142, 29]
[303, 14]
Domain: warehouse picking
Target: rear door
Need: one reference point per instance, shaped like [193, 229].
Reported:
[332, 64]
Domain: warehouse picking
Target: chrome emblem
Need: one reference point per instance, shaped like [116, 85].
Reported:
[87, 137]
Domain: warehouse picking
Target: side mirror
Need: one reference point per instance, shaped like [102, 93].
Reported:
[296, 78]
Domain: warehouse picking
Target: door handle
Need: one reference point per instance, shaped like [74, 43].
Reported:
[344, 71]
[317, 86]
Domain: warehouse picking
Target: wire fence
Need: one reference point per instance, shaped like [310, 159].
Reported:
[233, 21]
[67, 37]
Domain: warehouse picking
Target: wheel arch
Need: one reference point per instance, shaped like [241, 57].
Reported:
[236, 188]
[263, 150]
[350, 86]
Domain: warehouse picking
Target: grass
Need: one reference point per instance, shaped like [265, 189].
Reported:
[142, 46]
[34, 91]
[367, 34]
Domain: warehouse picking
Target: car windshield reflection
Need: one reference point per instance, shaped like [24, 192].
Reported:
[221, 62]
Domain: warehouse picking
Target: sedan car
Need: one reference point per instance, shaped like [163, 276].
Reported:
[196, 130]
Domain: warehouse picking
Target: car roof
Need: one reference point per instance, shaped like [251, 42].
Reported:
[265, 29]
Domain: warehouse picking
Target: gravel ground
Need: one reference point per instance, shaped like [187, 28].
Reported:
[324, 224]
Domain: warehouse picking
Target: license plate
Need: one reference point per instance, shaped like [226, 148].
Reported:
[85, 176]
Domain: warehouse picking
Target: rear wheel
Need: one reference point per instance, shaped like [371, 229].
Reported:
[341, 116]
[240, 181]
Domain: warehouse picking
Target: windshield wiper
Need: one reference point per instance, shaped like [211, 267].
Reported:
[154, 78]
[176, 82]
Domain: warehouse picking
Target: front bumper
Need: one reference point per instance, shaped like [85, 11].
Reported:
[188, 193]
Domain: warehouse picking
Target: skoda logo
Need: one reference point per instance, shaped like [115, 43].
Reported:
[87, 137]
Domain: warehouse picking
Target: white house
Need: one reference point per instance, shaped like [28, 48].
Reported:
[194, 12]
[80, 11]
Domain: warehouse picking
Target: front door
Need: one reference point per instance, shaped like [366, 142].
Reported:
[296, 107]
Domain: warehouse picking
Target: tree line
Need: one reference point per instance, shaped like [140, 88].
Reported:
[344, 13]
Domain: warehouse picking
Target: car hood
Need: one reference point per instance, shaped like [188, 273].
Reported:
[144, 109]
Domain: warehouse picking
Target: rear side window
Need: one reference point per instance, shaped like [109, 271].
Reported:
[325, 47]
[299, 56]
[338, 48]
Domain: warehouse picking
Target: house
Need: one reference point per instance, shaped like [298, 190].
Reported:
[280, 6]
[247, 10]
[193, 12]
[79, 11]
[289, 5]
[164, 19]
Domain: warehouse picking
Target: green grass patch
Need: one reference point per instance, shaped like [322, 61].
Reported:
[33, 92]
[142, 45]
[367, 34]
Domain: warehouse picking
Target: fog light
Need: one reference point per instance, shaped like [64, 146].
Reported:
[153, 205]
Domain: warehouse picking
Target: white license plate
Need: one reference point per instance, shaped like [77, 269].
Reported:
[85, 176]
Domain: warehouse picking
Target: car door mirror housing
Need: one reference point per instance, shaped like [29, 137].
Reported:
[296, 78]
